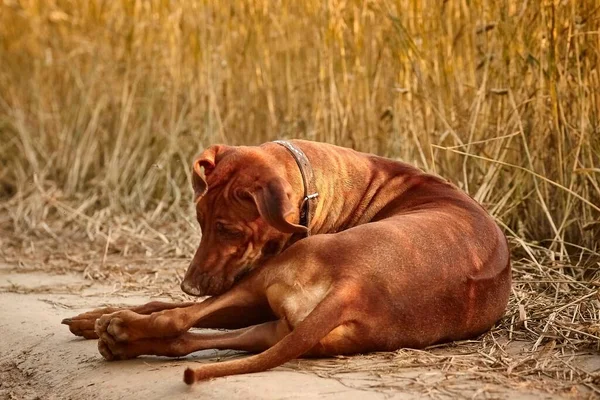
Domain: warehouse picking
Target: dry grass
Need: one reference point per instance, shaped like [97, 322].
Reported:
[103, 105]
[107, 102]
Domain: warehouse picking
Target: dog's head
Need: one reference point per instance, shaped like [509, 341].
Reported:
[246, 209]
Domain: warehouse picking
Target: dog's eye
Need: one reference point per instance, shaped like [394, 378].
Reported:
[228, 232]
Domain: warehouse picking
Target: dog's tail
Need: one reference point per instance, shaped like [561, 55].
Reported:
[323, 319]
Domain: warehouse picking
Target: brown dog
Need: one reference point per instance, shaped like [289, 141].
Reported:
[313, 249]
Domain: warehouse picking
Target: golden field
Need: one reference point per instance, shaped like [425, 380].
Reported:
[105, 103]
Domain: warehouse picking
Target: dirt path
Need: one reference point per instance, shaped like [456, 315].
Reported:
[40, 359]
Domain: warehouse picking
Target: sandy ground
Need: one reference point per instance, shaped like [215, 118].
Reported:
[40, 359]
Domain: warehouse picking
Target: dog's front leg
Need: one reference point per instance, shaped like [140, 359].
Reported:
[83, 324]
[128, 326]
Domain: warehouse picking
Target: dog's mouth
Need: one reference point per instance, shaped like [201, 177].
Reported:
[209, 285]
[204, 285]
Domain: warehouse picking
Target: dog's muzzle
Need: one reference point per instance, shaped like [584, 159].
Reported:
[189, 288]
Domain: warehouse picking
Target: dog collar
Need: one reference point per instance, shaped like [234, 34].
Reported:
[310, 192]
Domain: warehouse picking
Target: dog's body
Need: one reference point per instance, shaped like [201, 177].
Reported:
[396, 258]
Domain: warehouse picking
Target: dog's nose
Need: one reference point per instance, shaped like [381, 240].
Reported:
[189, 288]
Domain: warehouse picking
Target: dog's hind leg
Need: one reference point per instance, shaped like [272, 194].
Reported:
[253, 339]
[306, 335]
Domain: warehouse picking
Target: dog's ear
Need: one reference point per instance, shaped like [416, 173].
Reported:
[274, 205]
[206, 160]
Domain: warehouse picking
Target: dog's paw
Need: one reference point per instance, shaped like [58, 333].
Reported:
[84, 324]
[105, 350]
[119, 327]
[112, 351]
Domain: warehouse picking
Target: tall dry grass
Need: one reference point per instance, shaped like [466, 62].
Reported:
[104, 103]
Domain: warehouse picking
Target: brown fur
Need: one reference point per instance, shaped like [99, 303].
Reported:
[398, 258]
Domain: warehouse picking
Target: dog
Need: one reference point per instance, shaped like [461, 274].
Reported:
[309, 249]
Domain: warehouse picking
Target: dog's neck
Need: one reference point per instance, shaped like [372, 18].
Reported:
[310, 194]
[350, 193]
